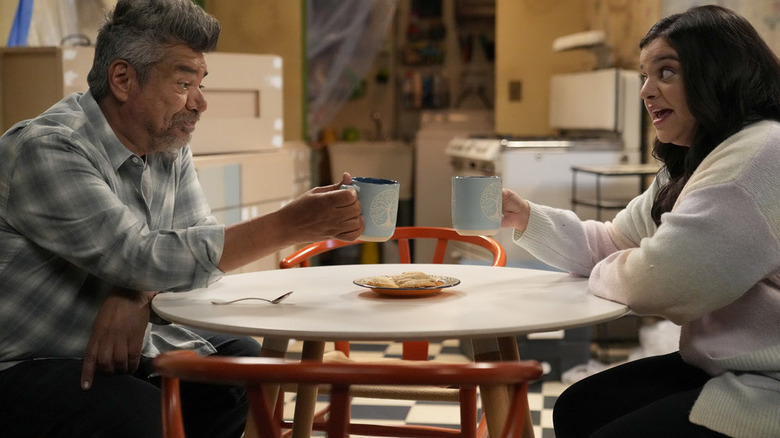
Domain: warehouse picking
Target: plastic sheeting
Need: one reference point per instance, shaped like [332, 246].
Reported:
[343, 38]
[57, 22]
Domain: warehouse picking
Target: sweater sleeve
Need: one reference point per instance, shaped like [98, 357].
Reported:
[559, 238]
[717, 242]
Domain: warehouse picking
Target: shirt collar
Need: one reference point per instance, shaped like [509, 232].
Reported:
[117, 153]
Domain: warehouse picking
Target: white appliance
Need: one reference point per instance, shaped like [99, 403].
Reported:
[598, 116]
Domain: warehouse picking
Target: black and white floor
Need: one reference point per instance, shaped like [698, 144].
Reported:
[541, 397]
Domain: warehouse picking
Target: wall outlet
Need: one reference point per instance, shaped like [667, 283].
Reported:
[515, 90]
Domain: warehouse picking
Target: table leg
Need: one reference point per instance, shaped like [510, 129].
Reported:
[307, 394]
[508, 347]
[495, 400]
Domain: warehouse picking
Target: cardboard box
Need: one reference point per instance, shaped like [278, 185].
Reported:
[32, 79]
[243, 91]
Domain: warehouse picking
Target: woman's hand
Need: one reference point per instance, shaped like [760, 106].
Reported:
[515, 210]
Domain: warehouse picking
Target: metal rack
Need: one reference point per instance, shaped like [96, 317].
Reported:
[601, 202]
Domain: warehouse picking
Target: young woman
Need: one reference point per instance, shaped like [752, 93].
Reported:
[701, 247]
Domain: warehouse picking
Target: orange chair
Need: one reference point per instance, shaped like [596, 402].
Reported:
[402, 234]
[416, 350]
[254, 373]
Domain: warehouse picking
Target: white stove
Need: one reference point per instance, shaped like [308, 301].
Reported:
[489, 148]
[484, 152]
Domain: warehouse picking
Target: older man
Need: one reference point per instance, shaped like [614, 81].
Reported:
[100, 207]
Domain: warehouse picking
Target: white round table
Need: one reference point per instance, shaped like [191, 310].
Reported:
[327, 306]
[490, 306]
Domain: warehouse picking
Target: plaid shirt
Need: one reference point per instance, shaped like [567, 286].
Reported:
[79, 214]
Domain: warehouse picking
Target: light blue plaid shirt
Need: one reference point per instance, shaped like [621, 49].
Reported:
[79, 214]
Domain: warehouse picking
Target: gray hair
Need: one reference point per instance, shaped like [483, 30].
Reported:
[141, 31]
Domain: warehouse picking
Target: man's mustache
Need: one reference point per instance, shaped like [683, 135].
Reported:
[189, 117]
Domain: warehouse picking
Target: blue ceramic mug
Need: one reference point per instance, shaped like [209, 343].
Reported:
[379, 206]
[476, 205]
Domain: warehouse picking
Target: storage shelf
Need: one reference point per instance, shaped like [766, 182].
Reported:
[619, 169]
[600, 203]
[611, 204]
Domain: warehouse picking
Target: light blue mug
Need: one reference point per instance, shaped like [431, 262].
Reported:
[476, 205]
[379, 206]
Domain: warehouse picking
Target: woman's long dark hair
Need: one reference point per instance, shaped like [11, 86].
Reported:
[731, 79]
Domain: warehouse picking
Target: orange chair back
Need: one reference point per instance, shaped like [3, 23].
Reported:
[403, 234]
[255, 374]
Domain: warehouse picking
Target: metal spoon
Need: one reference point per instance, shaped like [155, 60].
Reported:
[276, 300]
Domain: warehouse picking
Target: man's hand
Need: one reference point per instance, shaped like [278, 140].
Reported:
[117, 335]
[324, 213]
[321, 213]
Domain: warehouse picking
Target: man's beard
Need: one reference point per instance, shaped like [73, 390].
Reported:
[166, 143]
[170, 154]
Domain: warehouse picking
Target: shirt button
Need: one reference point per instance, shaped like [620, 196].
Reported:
[136, 160]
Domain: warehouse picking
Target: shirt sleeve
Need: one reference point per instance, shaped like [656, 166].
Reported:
[63, 197]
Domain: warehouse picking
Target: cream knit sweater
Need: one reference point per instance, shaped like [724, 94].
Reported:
[713, 267]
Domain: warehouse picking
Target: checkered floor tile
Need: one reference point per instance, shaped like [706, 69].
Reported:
[541, 396]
